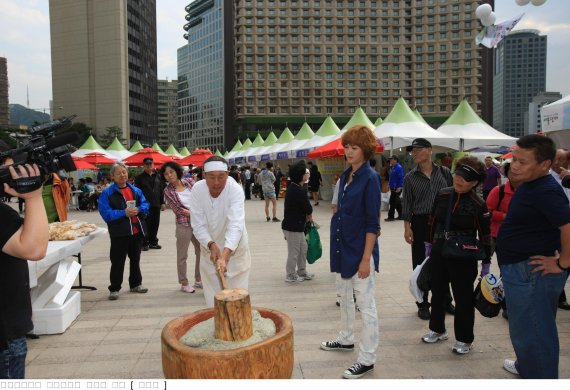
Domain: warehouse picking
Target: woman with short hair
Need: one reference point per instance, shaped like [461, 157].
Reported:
[355, 227]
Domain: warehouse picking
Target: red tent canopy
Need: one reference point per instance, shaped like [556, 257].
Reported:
[136, 160]
[334, 149]
[98, 158]
[81, 164]
[197, 158]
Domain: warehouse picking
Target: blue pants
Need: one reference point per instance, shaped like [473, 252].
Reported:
[532, 302]
[13, 359]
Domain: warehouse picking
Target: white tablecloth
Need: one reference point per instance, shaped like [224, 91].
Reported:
[57, 251]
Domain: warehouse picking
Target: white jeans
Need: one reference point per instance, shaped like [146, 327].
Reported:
[364, 291]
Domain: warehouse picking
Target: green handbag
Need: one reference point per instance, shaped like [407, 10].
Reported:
[315, 248]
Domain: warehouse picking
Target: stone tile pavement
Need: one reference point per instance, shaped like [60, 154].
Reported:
[121, 339]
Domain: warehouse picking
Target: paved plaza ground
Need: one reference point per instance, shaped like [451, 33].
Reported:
[121, 339]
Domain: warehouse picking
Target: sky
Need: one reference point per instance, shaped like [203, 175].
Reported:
[25, 42]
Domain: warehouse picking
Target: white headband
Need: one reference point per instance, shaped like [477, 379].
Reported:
[215, 166]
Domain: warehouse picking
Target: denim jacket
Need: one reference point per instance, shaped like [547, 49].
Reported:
[358, 213]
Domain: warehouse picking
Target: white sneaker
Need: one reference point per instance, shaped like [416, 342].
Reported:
[510, 366]
[433, 337]
[462, 348]
[293, 279]
[307, 276]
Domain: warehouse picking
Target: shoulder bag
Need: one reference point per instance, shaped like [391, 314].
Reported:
[458, 246]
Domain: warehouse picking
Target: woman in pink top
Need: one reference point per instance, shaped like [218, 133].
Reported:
[177, 194]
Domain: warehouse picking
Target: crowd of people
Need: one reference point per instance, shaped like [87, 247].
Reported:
[519, 212]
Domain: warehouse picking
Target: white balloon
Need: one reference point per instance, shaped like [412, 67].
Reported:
[483, 10]
[522, 2]
[538, 2]
[489, 20]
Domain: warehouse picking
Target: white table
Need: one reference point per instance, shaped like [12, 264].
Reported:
[60, 250]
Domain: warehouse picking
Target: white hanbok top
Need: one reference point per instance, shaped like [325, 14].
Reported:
[221, 220]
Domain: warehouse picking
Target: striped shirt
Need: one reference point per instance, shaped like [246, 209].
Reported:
[420, 191]
[175, 203]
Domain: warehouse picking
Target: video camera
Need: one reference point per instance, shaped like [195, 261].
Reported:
[43, 148]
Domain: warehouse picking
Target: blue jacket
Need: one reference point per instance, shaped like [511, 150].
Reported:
[112, 205]
[358, 213]
[396, 177]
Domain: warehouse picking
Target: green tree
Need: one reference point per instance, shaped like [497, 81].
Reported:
[110, 134]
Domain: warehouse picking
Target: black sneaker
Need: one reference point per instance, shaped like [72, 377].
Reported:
[356, 371]
[155, 246]
[336, 346]
[275, 219]
[423, 312]
[145, 248]
[389, 219]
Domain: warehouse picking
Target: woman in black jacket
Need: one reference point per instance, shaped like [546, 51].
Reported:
[298, 211]
[469, 218]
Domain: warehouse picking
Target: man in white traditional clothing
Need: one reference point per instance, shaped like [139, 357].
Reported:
[218, 221]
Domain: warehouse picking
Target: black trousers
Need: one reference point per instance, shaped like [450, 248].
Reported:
[152, 223]
[247, 189]
[121, 247]
[395, 204]
[461, 274]
[420, 227]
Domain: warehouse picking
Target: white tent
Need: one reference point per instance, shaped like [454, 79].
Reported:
[555, 120]
[469, 131]
[403, 125]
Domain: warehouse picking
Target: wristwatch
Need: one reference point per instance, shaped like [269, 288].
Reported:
[210, 245]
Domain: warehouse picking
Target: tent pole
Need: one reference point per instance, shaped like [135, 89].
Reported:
[391, 146]
[461, 144]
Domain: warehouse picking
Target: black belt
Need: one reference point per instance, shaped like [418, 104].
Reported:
[442, 234]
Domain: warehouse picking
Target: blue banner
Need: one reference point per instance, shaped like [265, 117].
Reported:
[239, 160]
[251, 159]
[265, 157]
[302, 153]
[282, 155]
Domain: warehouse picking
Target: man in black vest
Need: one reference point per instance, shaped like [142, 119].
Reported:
[152, 186]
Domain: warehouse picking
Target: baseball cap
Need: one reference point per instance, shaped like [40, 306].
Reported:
[148, 160]
[421, 143]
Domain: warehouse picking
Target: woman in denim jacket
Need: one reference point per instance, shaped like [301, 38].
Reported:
[355, 228]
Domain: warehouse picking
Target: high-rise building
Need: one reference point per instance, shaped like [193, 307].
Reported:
[519, 75]
[533, 123]
[167, 112]
[302, 60]
[4, 101]
[205, 76]
[103, 57]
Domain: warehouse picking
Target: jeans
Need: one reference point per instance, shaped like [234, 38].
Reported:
[532, 302]
[370, 334]
[13, 359]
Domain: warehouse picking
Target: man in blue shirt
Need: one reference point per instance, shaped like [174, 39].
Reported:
[396, 184]
[533, 249]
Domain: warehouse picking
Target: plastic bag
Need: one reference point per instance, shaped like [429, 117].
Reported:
[315, 247]
[424, 277]
[417, 292]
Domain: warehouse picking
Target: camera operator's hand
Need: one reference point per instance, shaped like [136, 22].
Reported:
[131, 211]
[23, 171]
[31, 240]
